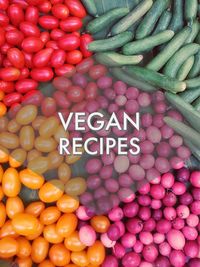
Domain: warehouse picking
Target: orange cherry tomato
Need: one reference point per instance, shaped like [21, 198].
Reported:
[10, 183]
[26, 262]
[50, 215]
[24, 248]
[67, 204]
[37, 232]
[100, 224]
[51, 191]
[35, 208]
[66, 225]
[46, 263]
[59, 255]
[31, 179]
[40, 248]
[1, 173]
[51, 235]
[1, 193]
[7, 230]
[8, 247]
[73, 242]
[25, 224]
[96, 253]
[80, 258]
[4, 155]
[2, 214]
[14, 205]
[71, 265]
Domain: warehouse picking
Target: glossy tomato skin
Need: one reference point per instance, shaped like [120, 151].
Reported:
[56, 34]
[73, 242]
[25, 85]
[32, 14]
[40, 248]
[14, 205]
[4, 4]
[25, 224]
[85, 39]
[16, 14]
[4, 20]
[66, 224]
[2, 214]
[71, 24]
[7, 87]
[66, 70]
[35, 208]
[8, 247]
[32, 44]
[59, 255]
[24, 248]
[50, 215]
[60, 11]
[42, 58]
[51, 235]
[58, 58]
[75, 94]
[74, 57]
[29, 29]
[44, 37]
[9, 74]
[2, 36]
[96, 253]
[16, 57]
[10, 183]
[69, 42]
[14, 37]
[45, 6]
[76, 8]
[44, 74]
[48, 22]
[34, 97]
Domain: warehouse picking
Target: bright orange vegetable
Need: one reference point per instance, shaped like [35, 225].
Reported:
[100, 224]
[7, 230]
[4, 155]
[35, 208]
[31, 179]
[10, 182]
[73, 242]
[14, 205]
[2, 214]
[24, 248]
[40, 248]
[67, 204]
[51, 235]
[66, 225]
[8, 247]
[59, 255]
[37, 232]
[1, 173]
[46, 263]
[79, 258]
[26, 262]
[96, 253]
[3, 109]
[1, 193]
[25, 224]
[51, 191]
[50, 215]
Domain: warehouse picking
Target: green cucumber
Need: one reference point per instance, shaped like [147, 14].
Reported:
[149, 21]
[184, 130]
[178, 59]
[177, 22]
[195, 71]
[187, 110]
[113, 59]
[131, 80]
[197, 40]
[163, 22]
[195, 30]
[148, 43]
[196, 104]
[111, 43]
[191, 9]
[157, 79]
[102, 34]
[106, 19]
[137, 13]
[190, 95]
[161, 59]
[191, 83]
[90, 7]
[185, 69]
[195, 151]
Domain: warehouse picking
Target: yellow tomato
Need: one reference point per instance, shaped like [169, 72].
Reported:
[51, 191]
[59, 255]
[80, 258]
[24, 248]
[100, 223]
[2, 214]
[7, 230]
[66, 225]
[40, 248]
[46, 263]
[37, 232]
[10, 183]
[50, 215]
[8, 247]
[68, 204]
[73, 242]
[31, 179]
[14, 205]
[26, 262]
[35, 208]
[51, 235]
[96, 253]
[25, 224]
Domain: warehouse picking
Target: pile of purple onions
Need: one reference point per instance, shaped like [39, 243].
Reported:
[160, 227]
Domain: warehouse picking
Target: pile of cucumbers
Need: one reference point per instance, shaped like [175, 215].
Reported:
[161, 36]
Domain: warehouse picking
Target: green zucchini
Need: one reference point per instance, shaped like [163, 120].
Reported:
[149, 21]
[111, 43]
[187, 110]
[191, 9]
[163, 22]
[131, 80]
[196, 104]
[195, 151]
[195, 71]
[178, 59]
[174, 45]
[195, 30]
[137, 13]
[195, 82]
[157, 79]
[185, 69]
[106, 19]
[147, 43]
[184, 130]
[90, 7]
[190, 95]
[113, 59]
[177, 22]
